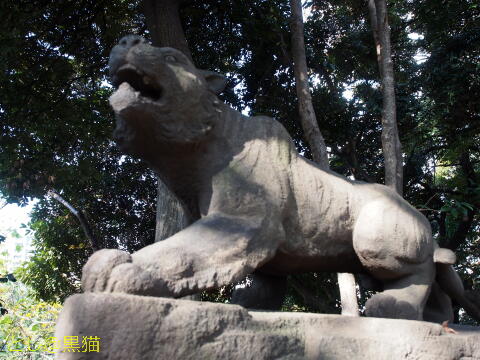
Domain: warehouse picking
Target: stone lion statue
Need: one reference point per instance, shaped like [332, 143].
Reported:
[254, 203]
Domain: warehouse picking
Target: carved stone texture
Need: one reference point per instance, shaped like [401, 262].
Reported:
[256, 205]
[144, 328]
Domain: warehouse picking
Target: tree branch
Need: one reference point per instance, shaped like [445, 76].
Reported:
[94, 243]
[309, 123]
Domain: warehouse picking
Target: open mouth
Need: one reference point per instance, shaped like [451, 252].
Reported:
[139, 81]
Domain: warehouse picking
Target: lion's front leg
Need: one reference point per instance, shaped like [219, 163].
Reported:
[96, 272]
[212, 252]
[110, 270]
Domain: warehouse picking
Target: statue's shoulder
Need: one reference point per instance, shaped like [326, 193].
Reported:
[268, 126]
[263, 133]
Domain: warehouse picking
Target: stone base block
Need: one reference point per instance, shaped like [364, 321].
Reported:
[142, 328]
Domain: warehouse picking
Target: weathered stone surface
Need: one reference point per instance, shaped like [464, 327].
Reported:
[141, 328]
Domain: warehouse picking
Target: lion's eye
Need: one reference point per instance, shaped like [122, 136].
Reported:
[170, 58]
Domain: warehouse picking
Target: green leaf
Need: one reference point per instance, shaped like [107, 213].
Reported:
[467, 205]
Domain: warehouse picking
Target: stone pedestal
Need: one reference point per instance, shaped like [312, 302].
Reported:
[140, 328]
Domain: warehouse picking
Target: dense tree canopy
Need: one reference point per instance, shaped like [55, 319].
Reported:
[56, 122]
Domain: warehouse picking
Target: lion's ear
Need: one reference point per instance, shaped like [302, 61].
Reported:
[216, 82]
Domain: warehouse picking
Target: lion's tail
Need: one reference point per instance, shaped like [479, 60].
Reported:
[449, 281]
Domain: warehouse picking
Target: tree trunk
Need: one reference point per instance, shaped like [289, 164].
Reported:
[305, 107]
[170, 218]
[392, 149]
[163, 22]
[346, 282]
[348, 294]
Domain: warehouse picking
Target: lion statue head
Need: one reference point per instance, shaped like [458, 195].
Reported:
[161, 97]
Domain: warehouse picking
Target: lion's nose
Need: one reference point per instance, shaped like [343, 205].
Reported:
[131, 40]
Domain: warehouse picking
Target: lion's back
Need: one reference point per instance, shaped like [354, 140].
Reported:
[263, 136]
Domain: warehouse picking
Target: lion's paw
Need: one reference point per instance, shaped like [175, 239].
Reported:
[132, 279]
[387, 306]
[96, 272]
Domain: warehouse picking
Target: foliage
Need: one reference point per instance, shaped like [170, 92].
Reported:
[318, 293]
[56, 126]
[25, 323]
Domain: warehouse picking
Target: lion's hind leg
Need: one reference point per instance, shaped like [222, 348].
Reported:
[394, 246]
[438, 307]
[402, 298]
